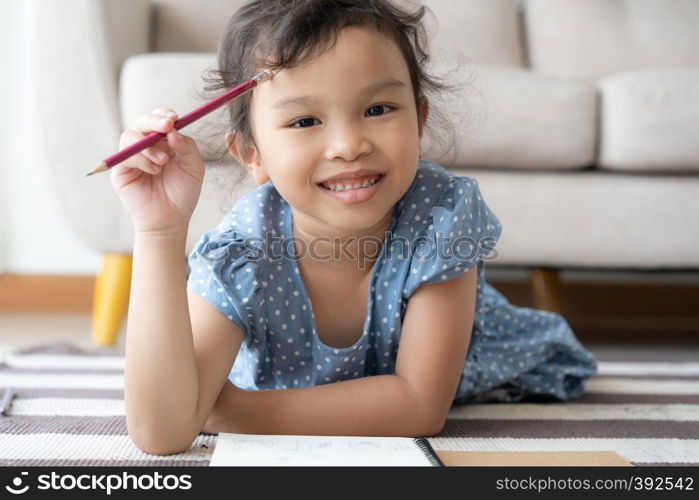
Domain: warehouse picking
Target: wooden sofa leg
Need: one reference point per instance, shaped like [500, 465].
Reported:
[546, 289]
[111, 298]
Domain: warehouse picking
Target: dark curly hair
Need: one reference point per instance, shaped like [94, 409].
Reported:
[278, 34]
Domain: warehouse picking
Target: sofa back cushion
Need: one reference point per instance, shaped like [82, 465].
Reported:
[595, 38]
[484, 30]
[187, 26]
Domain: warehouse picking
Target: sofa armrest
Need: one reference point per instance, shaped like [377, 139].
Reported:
[75, 49]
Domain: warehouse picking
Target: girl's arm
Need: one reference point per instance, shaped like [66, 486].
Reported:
[382, 405]
[434, 342]
[413, 402]
[174, 367]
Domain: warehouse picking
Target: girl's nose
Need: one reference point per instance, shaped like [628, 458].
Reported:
[348, 143]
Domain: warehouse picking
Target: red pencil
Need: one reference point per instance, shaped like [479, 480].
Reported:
[193, 116]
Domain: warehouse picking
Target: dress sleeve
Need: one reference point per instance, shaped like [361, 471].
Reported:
[222, 270]
[461, 230]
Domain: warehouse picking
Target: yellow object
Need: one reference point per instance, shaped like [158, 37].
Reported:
[111, 299]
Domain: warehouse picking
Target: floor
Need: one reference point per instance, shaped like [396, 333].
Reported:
[25, 330]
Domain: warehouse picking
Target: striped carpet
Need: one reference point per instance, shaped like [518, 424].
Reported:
[69, 410]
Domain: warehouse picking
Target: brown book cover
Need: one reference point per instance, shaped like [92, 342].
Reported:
[533, 458]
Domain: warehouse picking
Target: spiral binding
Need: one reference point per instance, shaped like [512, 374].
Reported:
[429, 452]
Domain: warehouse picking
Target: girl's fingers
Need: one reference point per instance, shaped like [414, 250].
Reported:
[146, 162]
[161, 120]
[181, 144]
[157, 155]
[165, 112]
[153, 122]
[153, 158]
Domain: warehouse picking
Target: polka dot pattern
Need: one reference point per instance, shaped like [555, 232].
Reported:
[241, 269]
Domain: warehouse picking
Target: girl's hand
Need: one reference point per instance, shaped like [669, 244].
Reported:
[160, 186]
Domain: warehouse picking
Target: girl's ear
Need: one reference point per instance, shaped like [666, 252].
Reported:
[248, 158]
[233, 149]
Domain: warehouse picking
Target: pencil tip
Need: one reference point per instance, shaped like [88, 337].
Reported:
[100, 168]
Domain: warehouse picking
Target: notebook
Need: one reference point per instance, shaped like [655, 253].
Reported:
[286, 450]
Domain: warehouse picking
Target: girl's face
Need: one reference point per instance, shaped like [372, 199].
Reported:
[350, 109]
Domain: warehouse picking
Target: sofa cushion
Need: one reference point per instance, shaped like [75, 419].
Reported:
[483, 31]
[187, 26]
[593, 219]
[595, 38]
[515, 118]
[156, 79]
[649, 120]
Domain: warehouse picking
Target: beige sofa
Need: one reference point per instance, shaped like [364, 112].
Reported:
[579, 118]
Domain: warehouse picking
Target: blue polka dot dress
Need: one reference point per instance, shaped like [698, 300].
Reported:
[247, 268]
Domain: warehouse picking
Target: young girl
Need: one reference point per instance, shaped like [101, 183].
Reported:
[346, 294]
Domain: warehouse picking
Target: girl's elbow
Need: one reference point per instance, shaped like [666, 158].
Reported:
[432, 427]
[438, 428]
[427, 425]
[433, 420]
[158, 446]
[154, 442]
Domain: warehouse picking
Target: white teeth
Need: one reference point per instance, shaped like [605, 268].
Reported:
[342, 187]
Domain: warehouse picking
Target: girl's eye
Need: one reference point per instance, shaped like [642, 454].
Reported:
[308, 121]
[302, 120]
[375, 106]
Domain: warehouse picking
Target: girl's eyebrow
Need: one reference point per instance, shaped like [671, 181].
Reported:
[368, 90]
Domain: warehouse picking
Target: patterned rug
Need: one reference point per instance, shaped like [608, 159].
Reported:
[69, 410]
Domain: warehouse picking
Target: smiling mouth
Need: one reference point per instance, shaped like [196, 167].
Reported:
[350, 185]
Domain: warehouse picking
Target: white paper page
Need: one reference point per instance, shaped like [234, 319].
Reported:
[284, 450]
